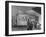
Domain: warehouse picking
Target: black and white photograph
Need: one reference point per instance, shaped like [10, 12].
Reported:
[25, 18]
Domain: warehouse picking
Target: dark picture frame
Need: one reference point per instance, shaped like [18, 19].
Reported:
[7, 17]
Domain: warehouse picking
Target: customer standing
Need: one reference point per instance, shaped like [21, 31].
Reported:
[30, 25]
